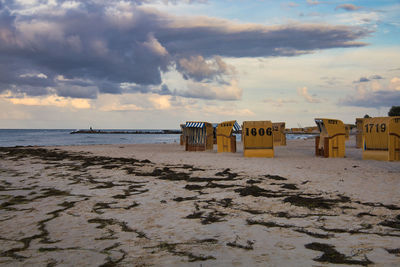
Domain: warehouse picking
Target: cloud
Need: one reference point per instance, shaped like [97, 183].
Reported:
[374, 95]
[227, 111]
[50, 100]
[348, 7]
[304, 93]
[230, 91]
[279, 102]
[365, 79]
[292, 4]
[109, 47]
[199, 69]
[376, 77]
[362, 80]
[313, 2]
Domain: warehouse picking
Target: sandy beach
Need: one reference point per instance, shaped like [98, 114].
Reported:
[157, 205]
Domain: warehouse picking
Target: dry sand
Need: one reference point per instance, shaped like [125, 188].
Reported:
[139, 205]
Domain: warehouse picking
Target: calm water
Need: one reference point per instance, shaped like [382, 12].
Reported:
[43, 137]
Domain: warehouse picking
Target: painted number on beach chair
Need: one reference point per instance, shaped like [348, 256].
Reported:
[260, 132]
[379, 128]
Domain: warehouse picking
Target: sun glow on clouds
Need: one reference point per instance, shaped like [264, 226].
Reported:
[51, 100]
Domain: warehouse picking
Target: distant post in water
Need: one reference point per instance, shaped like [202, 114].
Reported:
[331, 142]
[381, 138]
[359, 133]
[258, 139]
[278, 131]
[226, 142]
[198, 136]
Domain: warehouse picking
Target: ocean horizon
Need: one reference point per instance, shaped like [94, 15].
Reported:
[62, 137]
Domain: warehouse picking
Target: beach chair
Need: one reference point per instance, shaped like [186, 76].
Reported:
[258, 139]
[347, 128]
[359, 133]
[198, 136]
[182, 136]
[278, 132]
[381, 138]
[226, 142]
[331, 142]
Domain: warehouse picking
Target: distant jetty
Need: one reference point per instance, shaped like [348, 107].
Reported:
[126, 132]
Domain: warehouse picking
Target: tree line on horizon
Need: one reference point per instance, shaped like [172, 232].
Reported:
[394, 111]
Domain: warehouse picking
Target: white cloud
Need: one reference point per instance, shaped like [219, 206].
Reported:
[375, 94]
[304, 93]
[279, 102]
[31, 75]
[154, 45]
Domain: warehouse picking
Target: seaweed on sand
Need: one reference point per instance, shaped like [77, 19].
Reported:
[316, 202]
[256, 191]
[248, 246]
[331, 255]
[173, 249]
[227, 172]
[275, 177]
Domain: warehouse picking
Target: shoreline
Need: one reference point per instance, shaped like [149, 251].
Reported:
[156, 204]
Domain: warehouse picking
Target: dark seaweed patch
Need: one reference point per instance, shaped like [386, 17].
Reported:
[172, 248]
[275, 177]
[253, 211]
[228, 173]
[134, 204]
[213, 217]
[331, 255]
[268, 224]
[317, 202]
[17, 200]
[361, 214]
[313, 234]
[256, 191]
[251, 181]
[289, 186]
[110, 166]
[103, 223]
[391, 224]
[98, 207]
[225, 202]
[248, 246]
[43, 236]
[395, 251]
[193, 187]
[389, 207]
[180, 199]
[208, 185]
[195, 215]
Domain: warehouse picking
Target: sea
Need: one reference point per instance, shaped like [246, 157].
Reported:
[62, 137]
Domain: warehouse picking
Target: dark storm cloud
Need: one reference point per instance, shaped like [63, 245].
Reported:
[101, 45]
[374, 99]
[257, 41]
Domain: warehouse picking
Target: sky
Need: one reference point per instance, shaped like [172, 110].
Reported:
[153, 64]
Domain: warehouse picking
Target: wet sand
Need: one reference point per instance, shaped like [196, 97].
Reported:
[139, 205]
